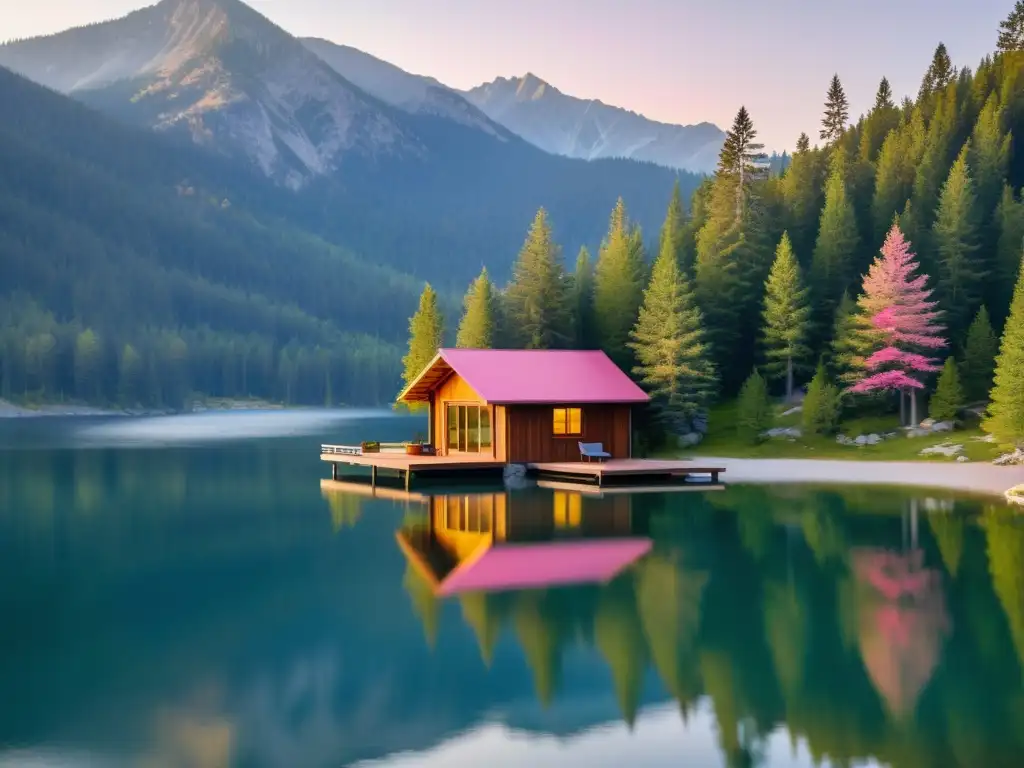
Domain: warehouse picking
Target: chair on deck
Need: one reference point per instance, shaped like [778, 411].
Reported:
[594, 451]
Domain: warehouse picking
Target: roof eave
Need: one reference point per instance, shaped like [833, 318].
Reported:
[403, 395]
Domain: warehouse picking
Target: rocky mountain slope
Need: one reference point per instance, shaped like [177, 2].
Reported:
[415, 94]
[222, 74]
[589, 129]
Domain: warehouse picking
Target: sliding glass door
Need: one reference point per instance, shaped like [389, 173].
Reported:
[469, 428]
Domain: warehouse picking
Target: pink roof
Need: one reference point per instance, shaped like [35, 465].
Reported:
[543, 376]
[531, 566]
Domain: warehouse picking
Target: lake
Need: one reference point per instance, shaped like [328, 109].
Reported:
[182, 591]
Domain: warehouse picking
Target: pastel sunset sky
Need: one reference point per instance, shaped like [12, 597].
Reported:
[679, 61]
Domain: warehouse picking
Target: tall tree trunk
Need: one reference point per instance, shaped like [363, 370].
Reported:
[903, 408]
[789, 379]
[913, 407]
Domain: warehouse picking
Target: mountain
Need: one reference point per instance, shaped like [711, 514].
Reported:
[416, 94]
[220, 73]
[589, 129]
[425, 184]
[138, 269]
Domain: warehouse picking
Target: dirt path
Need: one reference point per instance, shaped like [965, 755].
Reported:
[973, 477]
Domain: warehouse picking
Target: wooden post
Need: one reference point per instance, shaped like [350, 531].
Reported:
[714, 477]
[408, 478]
[373, 476]
[334, 470]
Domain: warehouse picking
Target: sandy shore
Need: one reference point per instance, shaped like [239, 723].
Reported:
[972, 477]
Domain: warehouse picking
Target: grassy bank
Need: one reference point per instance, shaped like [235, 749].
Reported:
[723, 441]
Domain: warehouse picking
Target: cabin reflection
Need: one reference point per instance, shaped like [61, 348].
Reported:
[501, 541]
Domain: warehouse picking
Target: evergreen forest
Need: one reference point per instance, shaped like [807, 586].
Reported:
[885, 254]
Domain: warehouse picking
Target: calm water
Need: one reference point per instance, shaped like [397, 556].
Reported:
[174, 597]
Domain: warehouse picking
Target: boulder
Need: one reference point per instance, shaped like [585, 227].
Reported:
[962, 459]
[927, 423]
[873, 439]
[699, 423]
[943, 449]
[860, 440]
[793, 432]
[942, 426]
[918, 432]
[1010, 459]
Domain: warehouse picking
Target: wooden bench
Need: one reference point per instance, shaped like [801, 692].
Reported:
[594, 451]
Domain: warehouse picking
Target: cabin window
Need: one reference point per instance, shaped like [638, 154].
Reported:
[568, 422]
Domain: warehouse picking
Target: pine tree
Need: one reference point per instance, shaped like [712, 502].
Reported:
[584, 322]
[988, 157]
[822, 405]
[931, 171]
[742, 158]
[476, 329]
[832, 265]
[426, 337]
[979, 359]
[1011, 30]
[786, 316]
[1010, 219]
[803, 143]
[538, 310]
[949, 395]
[901, 319]
[618, 286]
[837, 112]
[847, 351]
[939, 74]
[883, 98]
[1005, 418]
[754, 409]
[893, 182]
[674, 227]
[961, 271]
[668, 342]
[803, 194]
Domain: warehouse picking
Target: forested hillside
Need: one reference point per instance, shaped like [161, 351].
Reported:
[131, 273]
[770, 271]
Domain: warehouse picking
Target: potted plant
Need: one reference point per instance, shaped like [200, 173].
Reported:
[415, 448]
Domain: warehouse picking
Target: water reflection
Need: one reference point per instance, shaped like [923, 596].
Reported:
[216, 606]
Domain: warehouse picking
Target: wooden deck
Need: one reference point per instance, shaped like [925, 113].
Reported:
[405, 466]
[630, 470]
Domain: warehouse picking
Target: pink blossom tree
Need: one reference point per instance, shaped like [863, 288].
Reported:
[900, 324]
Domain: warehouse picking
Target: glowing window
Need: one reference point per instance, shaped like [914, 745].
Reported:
[568, 422]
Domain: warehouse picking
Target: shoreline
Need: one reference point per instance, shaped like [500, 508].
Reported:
[9, 410]
[974, 477]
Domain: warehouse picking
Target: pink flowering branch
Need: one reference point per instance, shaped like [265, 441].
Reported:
[893, 355]
[886, 380]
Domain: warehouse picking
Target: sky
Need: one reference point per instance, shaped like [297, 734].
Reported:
[678, 61]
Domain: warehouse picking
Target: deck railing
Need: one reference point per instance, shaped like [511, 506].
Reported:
[357, 450]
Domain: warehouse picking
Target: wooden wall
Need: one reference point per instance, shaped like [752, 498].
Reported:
[454, 389]
[530, 437]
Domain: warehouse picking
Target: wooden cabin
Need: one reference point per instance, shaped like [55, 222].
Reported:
[525, 406]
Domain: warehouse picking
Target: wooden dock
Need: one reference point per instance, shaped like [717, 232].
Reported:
[405, 466]
[631, 471]
[622, 472]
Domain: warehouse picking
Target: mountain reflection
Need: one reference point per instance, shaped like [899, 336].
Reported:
[219, 607]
